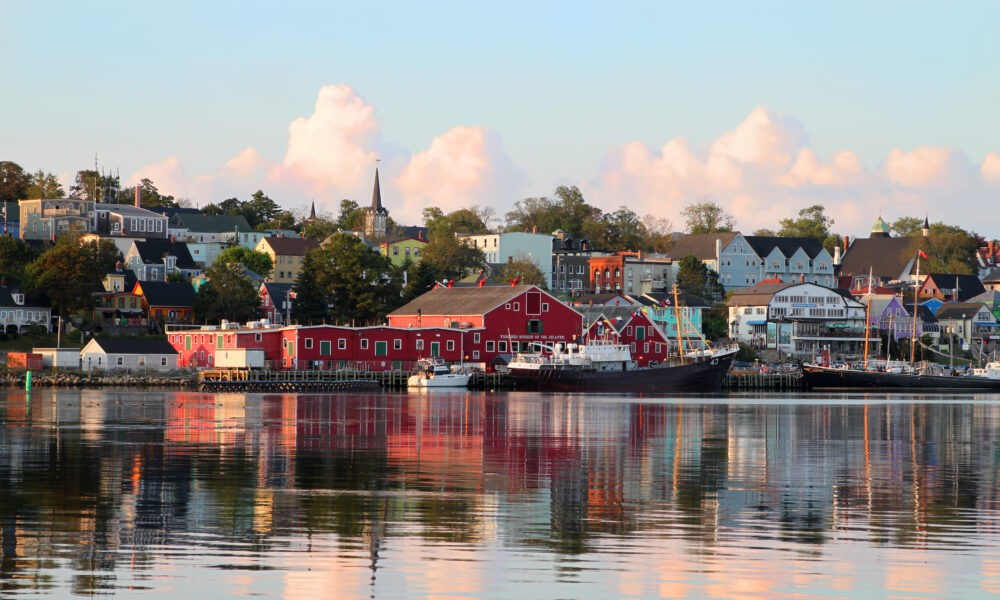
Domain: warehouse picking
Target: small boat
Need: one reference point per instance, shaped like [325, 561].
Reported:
[607, 366]
[433, 373]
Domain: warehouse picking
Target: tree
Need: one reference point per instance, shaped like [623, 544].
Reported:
[764, 232]
[15, 254]
[228, 294]
[150, 196]
[533, 214]
[13, 182]
[907, 227]
[258, 262]
[351, 216]
[463, 220]
[707, 217]
[574, 211]
[658, 233]
[260, 209]
[450, 257]
[91, 185]
[620, 230]
[696, 279]
[951, 250]
[69, 271]
[285, 219]
[345, 281]
[812, 223]
[524, 272]
[420, 279]
[318, 229]
[44, 185]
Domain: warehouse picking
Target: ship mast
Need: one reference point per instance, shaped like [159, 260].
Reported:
[680, 333]
[868, 316]
[916, 289]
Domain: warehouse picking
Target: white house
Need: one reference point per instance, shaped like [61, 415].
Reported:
[128, 354]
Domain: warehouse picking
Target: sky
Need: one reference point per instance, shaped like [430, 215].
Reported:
[765, 108]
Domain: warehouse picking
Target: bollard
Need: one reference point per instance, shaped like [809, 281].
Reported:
[27, 381]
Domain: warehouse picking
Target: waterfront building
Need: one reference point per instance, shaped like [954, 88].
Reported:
[128, 354]
[18, 312]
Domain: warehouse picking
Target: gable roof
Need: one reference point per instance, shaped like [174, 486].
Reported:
[886, 257]
[167, 293]
[462, 300]
[990, 298]
[968, 285]
[958, 310]
[701, 245]
[758, 295]
[210, 223]
[286, 246]
[152, 251]
[134, 346]
[763, 245]
[277, 290]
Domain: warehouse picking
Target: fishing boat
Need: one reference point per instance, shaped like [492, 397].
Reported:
[607, 366]
[435, 373]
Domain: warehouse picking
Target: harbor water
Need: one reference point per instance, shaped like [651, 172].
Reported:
[462, 494]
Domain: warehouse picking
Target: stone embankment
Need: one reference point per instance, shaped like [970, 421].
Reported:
[89, 380]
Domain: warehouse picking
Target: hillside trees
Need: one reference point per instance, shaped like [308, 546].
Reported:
[345, 282]
[228, 294]
[69, 271]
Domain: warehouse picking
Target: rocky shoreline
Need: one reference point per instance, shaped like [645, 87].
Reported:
[84, 380]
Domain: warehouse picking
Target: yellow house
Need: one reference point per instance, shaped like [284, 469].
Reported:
[399, 251]
[286, 254]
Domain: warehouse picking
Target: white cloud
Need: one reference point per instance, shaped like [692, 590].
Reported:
[764, 171]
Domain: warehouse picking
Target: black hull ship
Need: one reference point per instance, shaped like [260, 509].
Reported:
[817, 377]
[609, 367]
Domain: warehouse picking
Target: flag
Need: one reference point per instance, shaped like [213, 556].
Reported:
[293, 295]
[451, 283]
[482, 282]
[922, 254]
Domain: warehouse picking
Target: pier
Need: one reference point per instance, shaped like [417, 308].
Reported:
[763, 382]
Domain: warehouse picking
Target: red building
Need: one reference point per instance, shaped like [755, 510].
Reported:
[631, 326]
[606, 273]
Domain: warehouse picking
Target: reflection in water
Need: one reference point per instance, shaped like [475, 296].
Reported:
[497, 495]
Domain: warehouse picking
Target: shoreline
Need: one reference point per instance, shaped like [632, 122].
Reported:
[50, 379]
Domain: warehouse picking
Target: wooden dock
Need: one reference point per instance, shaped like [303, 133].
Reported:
[258, 380]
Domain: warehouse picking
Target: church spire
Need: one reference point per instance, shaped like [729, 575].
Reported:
[376, 216]
[312, 211]
[376, 194]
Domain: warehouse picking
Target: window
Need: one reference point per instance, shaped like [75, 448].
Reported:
[257, 337]
[475, 354]
[218, 341]
[517, 306]
[545, 307]
[163, 361]
[490, 346]
[309, 343]
[502, 346]
[364, 343]
[628, 331]
[640, 333]
[397, 344]
[534, 326]
[325, 348]
[121, 361]
[475, 338]
[645, 347]
[450, 345]
[420, 344]
[342, 344]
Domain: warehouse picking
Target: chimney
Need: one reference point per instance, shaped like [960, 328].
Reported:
[836, 255]
[420, 234]
[534, 229]
[847, 242]
[991, 249]
[138, 195]
[802, 277]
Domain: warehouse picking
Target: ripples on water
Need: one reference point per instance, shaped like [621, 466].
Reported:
[474, 495]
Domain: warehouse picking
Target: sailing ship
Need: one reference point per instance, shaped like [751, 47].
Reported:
[603, 365]
[888, 374]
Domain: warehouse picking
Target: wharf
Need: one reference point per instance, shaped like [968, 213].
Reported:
[257, 380]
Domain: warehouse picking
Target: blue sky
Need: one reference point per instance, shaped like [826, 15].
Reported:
[762, 107]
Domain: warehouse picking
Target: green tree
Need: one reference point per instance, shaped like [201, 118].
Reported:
[69, 272]
[353, 282]
[811, 223]
[258, 262]
[150, 196]
[92, 185]
[228, 294]
[13, 182]
[421, 278]
[260, 209]
[450, 257]
[44, 185]
[318, 229]
[907, 227]
[351, 216]
[707, 217]
[658, 234]
[573, 210]
[534, 214]
[696, 279]
[620, 230]
[951, 250]
[15, 254]
[524, 272]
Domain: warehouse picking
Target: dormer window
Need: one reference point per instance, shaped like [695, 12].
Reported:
[18, 298]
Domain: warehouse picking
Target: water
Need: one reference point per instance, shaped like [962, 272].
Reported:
[510, 495]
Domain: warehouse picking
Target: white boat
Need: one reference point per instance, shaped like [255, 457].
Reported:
[435, 373]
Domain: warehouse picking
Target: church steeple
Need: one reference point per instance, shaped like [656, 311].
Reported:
[376, 215]
[312, 211]
[926, 231]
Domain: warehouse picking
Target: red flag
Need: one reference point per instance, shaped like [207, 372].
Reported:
[922, 254]
[482, 282]
[451, 283]
[293, 295]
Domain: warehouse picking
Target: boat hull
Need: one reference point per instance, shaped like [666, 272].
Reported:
[701, 376]
[439, 381]
[820, 378]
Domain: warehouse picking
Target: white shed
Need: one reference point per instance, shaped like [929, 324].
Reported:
[128, 354]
